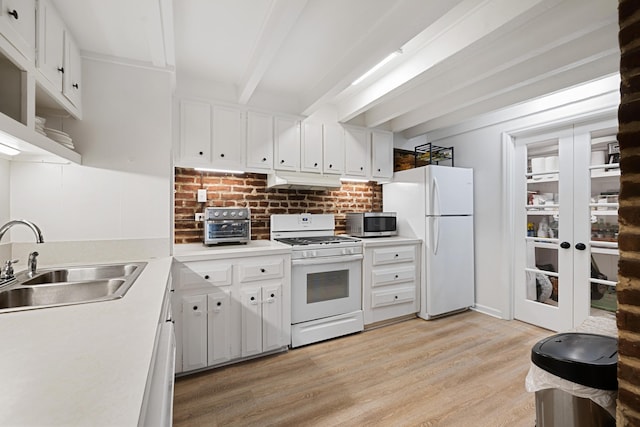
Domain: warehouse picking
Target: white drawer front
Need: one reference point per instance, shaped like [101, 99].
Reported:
[392, 255]
[391, 297]
[390, 276]
[271, 268]
[217, 274]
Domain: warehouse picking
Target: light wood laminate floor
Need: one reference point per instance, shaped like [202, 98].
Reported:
[462, 370]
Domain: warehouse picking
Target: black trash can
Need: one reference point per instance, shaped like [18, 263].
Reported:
[587, 359]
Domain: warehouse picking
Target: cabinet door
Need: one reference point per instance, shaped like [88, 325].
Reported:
[287, 144]
[311, 147]
[382, 157]
[71, 84]
[259, 142]
[18, 25]
[194, 332]
[195, 133]
[250, 299]
[272, 326]
[50, 44]
[228, 141]
[357, 152]
[218, 318]
[333, 149]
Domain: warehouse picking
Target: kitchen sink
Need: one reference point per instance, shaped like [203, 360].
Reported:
[55, 287]
[60, 293]
[73, 274]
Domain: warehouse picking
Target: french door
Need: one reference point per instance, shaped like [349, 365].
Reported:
[565, 249]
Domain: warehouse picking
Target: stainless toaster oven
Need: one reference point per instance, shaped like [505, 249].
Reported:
[227, 225]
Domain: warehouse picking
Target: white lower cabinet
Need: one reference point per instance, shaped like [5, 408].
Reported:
[231, 309]
[390, 279]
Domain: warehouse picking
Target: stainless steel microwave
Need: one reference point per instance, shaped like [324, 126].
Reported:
[372, 224]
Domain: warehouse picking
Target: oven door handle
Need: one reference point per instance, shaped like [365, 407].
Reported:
[327, 260]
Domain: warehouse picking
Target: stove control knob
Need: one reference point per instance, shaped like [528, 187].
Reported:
[216, 213]
[233, 213]
[347, 251]
[241, 213]
[224, 213]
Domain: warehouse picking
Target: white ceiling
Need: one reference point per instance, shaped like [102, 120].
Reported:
[460, 58]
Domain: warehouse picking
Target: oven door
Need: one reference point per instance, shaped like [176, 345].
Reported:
[323, 287]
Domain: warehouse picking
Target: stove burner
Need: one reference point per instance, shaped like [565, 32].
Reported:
[316, 240]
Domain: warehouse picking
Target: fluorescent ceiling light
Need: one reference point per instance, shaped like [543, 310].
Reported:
[5, 149]
[219, 170]
[354, 180]
[377, 67]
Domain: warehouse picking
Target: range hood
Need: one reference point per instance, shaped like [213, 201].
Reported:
[303, 181]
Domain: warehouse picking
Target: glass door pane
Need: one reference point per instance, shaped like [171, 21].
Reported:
[543, 222]
[603, 209]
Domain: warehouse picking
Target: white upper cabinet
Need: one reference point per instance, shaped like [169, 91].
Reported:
[311, 151]
[382, 154]
[211, 136]
[195, 133]
[333, 149]
[50, 44]
[18, 25]
[287, 144]
[259, 142]
[357, 152]
[71, 79]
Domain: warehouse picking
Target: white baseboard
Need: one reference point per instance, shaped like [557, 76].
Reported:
[489, 311]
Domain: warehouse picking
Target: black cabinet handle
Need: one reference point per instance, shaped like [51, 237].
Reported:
[76, 85]
[378, 170]
[581, 246]
[253, 298]
[195, 307]
[264, 159]
[221, 154]
[396, 255]
[330, 166]
[315, 165]
[396, 276]
[14, 13]
[200, 153]
[361, 168]
[206, 276]
[273, 295]
[219, 304]
[565, 245]
[61, 69]
[281, 161]
[262, 270]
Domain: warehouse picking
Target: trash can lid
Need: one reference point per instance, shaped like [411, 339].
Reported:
[587, 359]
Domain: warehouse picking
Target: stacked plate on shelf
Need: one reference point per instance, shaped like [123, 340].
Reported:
[60, 137]
[40, 121]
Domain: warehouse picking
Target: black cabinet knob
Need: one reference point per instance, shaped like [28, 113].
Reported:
[396, 297]
[378, 169]
[264, 159]
[253, 298]
[200, 153]
[281, 161]
[396, 276]
[221, 154]
[206, 276]
[76, 85]
[195, 307]
[330, 166]
[219, 304]
[565, 245]
[361, 168]
[581, 246]
[61, 69]
[273, 295]
[262, 270]
[315, 165]
[14, 13]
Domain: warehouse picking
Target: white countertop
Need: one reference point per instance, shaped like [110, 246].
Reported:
[82, 365]
[200, 252]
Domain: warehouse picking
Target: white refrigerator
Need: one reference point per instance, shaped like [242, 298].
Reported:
[435, 204]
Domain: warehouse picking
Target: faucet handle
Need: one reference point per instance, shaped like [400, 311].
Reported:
[7, 270]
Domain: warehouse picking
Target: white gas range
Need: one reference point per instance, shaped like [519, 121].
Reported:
[326, 278]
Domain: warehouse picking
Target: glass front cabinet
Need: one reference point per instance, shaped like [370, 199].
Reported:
[566, 185]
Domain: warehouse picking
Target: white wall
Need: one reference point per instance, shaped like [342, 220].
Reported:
[478, 144]
[122, 190]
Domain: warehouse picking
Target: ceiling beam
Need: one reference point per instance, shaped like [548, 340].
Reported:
[465, 24]
[281, 18]
[464, 72]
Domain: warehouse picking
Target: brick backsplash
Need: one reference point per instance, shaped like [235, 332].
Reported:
[250, 189]
[628, 288]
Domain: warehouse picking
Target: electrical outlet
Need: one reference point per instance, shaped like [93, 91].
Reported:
[199, 216]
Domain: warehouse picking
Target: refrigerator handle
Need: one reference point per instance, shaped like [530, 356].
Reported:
[435, 235]
[435, 194]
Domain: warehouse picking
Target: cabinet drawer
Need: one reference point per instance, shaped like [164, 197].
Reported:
[395, 254]
[201, 273]
[391, 297]
[270, 268]
[390, 276]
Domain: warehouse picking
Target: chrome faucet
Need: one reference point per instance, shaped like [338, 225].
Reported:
[7, 270]
[32, 226]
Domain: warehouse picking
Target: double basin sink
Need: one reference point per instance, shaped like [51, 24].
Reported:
[70, 285]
